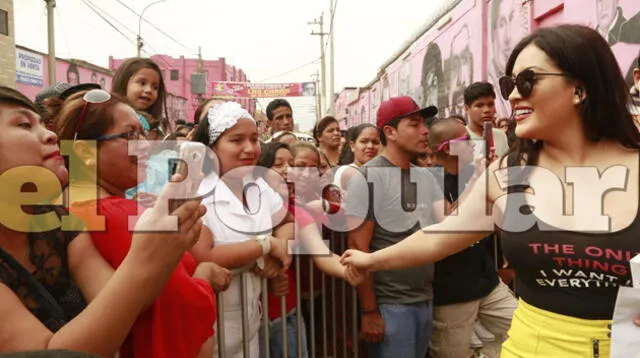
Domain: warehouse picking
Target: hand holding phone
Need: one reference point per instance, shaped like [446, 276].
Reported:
[189, 166]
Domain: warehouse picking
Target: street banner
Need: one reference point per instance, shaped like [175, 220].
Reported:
[232, 90]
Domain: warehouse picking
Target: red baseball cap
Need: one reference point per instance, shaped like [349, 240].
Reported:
[399, 107]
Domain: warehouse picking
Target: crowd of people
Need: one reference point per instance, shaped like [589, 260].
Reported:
[451, 251]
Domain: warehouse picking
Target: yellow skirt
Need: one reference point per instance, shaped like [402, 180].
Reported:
[536, 333]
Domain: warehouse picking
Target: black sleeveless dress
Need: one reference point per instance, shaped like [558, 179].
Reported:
[49, 292]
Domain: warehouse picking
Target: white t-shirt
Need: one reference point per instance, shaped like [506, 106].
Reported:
[231, 223]
[500, 141]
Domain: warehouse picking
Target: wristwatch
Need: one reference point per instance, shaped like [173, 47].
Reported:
[264, 241]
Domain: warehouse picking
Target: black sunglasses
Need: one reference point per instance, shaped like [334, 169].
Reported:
[524, 81]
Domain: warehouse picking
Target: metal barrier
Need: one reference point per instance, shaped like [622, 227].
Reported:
[330, 333]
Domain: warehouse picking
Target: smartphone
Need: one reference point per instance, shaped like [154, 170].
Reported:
[189, 164]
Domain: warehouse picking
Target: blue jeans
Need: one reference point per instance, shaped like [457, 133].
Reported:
[275, 338]
[407, 329]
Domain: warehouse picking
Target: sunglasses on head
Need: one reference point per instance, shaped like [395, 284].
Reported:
[93, 96]
[524, 82]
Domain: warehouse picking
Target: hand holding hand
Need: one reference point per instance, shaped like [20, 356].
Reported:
[358, 259]
[354, 276]
[280, 251]
[272, 267]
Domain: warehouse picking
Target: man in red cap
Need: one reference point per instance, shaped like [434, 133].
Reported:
[402, 198]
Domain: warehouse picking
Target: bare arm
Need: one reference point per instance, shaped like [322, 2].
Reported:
[235, 255]
[447, 237]
[90, 271]
[359, 239]
[435, 242]
[20, 330]
[241, 254]
[312, 240]
[202, 249]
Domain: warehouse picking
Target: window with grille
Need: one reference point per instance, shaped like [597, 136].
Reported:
[175, 75]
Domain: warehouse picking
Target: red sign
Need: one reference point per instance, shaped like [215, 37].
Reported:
[231, 90]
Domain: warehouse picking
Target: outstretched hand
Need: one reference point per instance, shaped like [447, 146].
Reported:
[358, 259]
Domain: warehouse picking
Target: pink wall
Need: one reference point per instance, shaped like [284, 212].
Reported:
[473, 41]
[33, 72]
[341, 105]
[216, 70]
[363, 102]
[374, 101]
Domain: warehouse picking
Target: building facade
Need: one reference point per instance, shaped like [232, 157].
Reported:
[177, 77]
[32, 76]
[7, 45]
[341, 106]
[471, 40]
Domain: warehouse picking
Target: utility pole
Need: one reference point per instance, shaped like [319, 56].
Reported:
[331, 83]
[139, 38]
[316, 80]
[200, 59]
[324, 77]
[51, 4]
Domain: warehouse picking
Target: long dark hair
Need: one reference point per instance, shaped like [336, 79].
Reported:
[346, 154]
[583, 54]
[268, 155]
[127, 70]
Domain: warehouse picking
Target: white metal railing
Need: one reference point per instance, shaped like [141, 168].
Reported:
[329, 335]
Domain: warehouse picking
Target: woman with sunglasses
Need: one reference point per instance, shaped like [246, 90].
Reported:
[100, 128]
[570, 103]
[57, 291]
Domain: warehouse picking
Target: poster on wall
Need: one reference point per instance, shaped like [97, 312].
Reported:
[230, 90]
[618, 21]
[29, 68]
[74, 74]
[448, 65]
[508, 22]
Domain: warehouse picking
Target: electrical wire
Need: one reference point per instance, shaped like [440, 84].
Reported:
[150, 53]
[289, 71]
[335, 4]
[109, 22]
[106, 13]
[64, 34]
[157, 28]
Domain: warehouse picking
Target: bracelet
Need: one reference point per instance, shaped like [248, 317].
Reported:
[265, 242]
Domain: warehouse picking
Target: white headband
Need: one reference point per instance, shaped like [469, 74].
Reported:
[224, 116]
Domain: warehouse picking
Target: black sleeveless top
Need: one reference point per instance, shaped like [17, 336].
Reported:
[566, 272]
[49, 292]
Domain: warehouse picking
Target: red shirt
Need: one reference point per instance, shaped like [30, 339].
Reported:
[306, 217]
[302, 220]
[182, 317]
